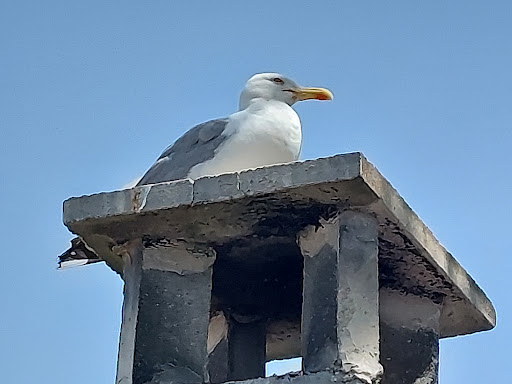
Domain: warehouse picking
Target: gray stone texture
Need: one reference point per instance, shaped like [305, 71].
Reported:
[409, 356]
[325, 377]
[132, 257]
[219, 188]
[246, 341]
[250, 221]
[411, 259]
[340, 314]
[166, 330]
[218, 363]
[409, 329]
[319, 308]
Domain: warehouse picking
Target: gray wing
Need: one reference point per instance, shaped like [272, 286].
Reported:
[196, 146]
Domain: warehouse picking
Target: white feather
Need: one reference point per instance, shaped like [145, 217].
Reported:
[73, 263]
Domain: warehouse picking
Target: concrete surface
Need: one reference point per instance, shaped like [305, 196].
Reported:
[340, 312]
[327, 245]
[280, 201]
[166, 314]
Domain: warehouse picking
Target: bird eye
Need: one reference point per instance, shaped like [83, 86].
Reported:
[277, 80]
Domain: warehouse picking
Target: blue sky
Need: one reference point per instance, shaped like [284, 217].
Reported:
[92, 92]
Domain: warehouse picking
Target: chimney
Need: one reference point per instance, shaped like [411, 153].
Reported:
[321, 259]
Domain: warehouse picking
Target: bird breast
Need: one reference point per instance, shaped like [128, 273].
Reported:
[265, 133]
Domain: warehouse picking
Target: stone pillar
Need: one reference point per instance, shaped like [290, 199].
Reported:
[165, 314]
[239, 352]
[340, 314]
[409, 330]
[218, 367]
[246, 341]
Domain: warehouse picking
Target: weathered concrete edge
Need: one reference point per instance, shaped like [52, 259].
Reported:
[276, 178]
[299, 378]
[128, 201]
[207, 190]
[419, 233]
[280, 178]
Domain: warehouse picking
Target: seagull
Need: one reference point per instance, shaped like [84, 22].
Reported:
[265, 130]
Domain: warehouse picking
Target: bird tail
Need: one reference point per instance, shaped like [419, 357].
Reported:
[78, 254]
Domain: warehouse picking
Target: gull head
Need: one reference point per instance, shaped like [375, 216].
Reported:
[274, 86]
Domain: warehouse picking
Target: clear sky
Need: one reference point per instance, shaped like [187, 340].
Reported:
[91, 92]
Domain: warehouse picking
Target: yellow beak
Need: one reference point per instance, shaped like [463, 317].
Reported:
[312, 93]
